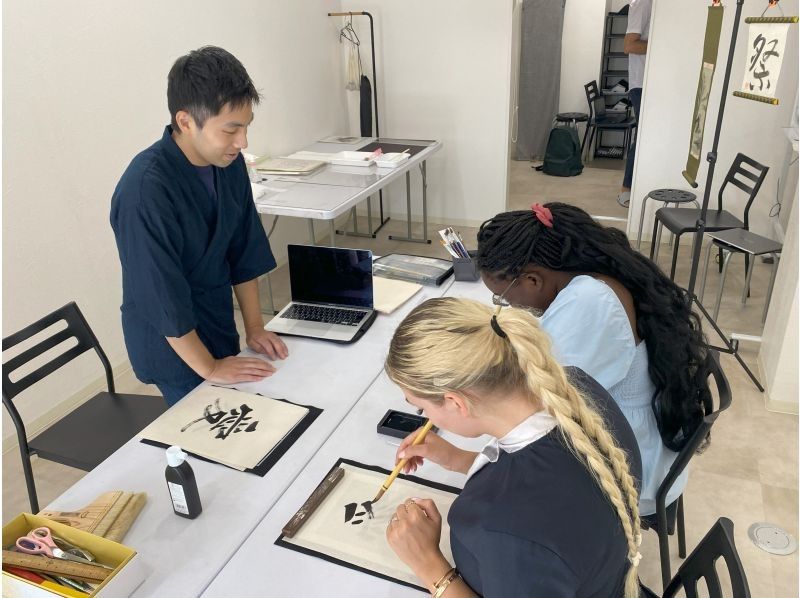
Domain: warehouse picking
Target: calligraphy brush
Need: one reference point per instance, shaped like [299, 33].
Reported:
[398, 468]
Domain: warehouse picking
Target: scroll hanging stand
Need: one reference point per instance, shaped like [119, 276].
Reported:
[731, 345]
[372, 233]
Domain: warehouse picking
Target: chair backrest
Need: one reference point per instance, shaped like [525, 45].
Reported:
[597, 105]
[700, 434]
[748, 175]
[718, 542]
[77, 328]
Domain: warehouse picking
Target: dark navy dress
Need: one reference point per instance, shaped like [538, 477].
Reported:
[535, 523]
[182, 248]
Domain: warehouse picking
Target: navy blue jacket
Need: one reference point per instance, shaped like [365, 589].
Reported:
[536, 524]
[181, 249]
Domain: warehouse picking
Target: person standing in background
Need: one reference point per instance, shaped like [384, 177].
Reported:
[636, 49]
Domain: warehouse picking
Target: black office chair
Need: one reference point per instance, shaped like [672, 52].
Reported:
[600, 120]
[701, 564]
[89, 434]
[682, 220]
[666, 516]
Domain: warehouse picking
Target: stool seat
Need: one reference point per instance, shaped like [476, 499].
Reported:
[744, 241]
[565, 117]
[672, 195]
[665, 196]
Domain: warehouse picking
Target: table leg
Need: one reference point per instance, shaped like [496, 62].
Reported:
[332, 222]
[409, 238]
[311, 238]
[354, 217]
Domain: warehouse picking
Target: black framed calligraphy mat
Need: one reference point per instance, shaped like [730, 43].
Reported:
[245, 431]
[344, 531]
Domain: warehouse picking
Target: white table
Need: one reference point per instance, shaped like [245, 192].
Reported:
[183, 556]
[333, 190]
[259, 568]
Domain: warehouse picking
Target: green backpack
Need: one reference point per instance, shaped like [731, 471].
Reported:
[563, 154]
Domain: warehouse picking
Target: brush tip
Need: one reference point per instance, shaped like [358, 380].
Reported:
[378, 496]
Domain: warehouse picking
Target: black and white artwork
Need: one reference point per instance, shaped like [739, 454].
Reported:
[765, 49]
[349, 529]
[231, 427]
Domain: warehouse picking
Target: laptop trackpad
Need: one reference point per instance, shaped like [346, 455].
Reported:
[309, 328]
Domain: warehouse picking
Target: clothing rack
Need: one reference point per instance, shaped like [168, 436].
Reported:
[363, 13]
[731, 345]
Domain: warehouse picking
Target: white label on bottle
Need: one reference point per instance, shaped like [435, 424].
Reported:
[178, 498]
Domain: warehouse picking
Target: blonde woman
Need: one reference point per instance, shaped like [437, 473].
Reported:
[549, 508]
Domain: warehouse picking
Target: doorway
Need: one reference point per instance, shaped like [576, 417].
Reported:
[589, 49]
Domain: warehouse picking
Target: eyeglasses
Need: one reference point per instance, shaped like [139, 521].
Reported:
[501, 298]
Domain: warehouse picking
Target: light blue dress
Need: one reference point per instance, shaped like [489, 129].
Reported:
[590, 330]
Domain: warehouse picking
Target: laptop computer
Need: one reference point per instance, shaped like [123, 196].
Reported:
[602, 116]
[332, 297]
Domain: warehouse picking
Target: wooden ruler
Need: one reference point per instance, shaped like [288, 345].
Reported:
[109, 515]
[43, 564]
[313, 501]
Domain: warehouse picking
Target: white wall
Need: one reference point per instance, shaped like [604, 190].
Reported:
[581, 51]
[673, 64]
[84, 91]
[778, 356]
[444, 72]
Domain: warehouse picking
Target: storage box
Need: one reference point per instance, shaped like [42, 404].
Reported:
[128, 572]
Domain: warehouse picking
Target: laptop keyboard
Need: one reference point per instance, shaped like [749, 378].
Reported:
[328, 315]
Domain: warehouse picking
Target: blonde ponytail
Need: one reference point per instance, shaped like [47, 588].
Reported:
[458, 345]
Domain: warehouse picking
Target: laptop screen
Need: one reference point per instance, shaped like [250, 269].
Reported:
[331, 275]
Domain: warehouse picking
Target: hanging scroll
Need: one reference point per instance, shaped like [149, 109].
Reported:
[710, 51]
[766, 45]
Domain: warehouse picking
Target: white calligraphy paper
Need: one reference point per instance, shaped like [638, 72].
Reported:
[235, 428]
[766, 44]
[342, 528]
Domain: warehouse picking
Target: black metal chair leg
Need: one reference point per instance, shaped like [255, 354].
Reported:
[585, 135]
[663, 546]
[719, 259]
[674, 256]
[681, 529]
[746, 270]
[27, 469]
[653, 238]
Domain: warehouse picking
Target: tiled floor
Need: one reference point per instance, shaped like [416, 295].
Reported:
[748, 474]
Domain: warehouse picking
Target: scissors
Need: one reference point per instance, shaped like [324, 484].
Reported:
[40, 541]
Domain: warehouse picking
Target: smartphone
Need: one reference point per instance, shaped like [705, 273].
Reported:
[399, 424]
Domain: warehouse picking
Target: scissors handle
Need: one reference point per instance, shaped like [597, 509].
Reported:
[30, 545]
[43, 535]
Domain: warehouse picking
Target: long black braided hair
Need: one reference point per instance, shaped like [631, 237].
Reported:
[676, 348]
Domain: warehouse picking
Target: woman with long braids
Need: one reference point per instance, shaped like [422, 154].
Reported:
[549, 507]
[612, 313]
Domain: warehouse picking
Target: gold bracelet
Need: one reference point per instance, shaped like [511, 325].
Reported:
[441, 585]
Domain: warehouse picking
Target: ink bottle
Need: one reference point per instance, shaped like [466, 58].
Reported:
[182, 485]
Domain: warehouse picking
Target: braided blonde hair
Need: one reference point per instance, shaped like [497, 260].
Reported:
[449, 345]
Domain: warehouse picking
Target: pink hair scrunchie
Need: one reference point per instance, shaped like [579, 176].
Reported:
[543, 214]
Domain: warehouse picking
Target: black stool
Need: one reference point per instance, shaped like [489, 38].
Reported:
[667, 196]
[573, 118]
